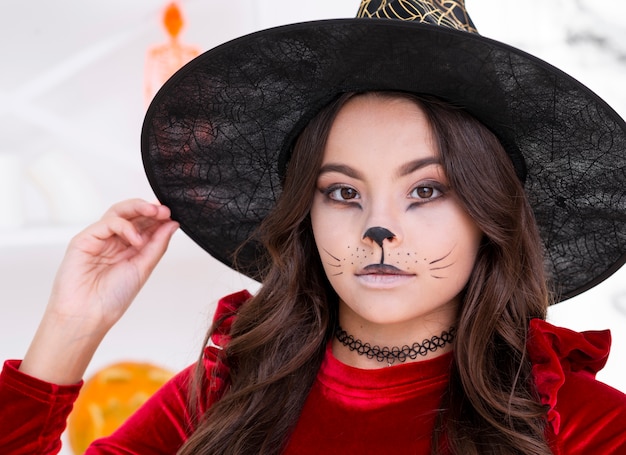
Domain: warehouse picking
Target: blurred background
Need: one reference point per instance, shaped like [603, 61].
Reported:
[75, 81]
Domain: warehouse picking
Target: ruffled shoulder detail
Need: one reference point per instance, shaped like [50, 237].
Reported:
[214, 363]
[225, 314]
[555, 352]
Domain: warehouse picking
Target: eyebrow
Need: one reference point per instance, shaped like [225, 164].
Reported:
[342, 169]
[405, 169]
[414, 165]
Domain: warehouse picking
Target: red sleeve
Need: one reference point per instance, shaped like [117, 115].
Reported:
[33, 413]
[585, 416]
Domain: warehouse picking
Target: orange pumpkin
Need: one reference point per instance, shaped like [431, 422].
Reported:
[109, 397]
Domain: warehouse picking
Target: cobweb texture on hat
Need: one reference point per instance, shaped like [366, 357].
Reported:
[217, 134]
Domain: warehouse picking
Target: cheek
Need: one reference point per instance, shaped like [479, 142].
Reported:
[332, 243]
[337, 245]
[332, 229]
[319, 224]
[468, 239]
[322, 233]
[448, 237]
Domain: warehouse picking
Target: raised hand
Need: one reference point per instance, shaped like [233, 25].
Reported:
[104, 268]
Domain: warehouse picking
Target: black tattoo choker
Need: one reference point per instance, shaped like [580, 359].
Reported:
[390, 355]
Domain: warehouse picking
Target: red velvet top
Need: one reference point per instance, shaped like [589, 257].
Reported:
[348, 410]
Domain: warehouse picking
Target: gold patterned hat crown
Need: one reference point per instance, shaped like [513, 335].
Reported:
[446, 13]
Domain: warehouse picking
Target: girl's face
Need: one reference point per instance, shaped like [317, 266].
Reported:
[394, 241]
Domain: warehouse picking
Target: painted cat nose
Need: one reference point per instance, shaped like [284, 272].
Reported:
[378, 234]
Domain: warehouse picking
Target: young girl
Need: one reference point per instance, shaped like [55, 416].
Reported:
[404, 284]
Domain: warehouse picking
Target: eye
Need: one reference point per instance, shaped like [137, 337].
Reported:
[342, 193]
[426, 192]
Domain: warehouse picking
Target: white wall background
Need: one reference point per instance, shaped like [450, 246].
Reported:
[71, 98]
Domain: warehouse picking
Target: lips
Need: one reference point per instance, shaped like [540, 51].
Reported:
[382, 269]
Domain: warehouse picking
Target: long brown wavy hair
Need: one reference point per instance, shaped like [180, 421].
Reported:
[280, 334]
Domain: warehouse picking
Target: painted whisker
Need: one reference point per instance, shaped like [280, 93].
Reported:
[328, 253]
[331, 264]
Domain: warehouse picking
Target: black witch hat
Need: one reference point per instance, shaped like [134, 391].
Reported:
[219, 132]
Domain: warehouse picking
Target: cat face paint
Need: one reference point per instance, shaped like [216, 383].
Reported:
[395, 243]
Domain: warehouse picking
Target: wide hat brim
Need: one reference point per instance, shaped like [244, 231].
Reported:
[218, 134]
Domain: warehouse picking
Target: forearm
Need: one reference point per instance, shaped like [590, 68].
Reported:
[104, 268]
[61, 349]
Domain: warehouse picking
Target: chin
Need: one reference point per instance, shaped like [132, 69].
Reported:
[388, 308]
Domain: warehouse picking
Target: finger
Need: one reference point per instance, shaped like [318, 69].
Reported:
[155, 247]
[134, 208]
[144, 217]
[146, 225]
[104, 230]
[136, 232]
